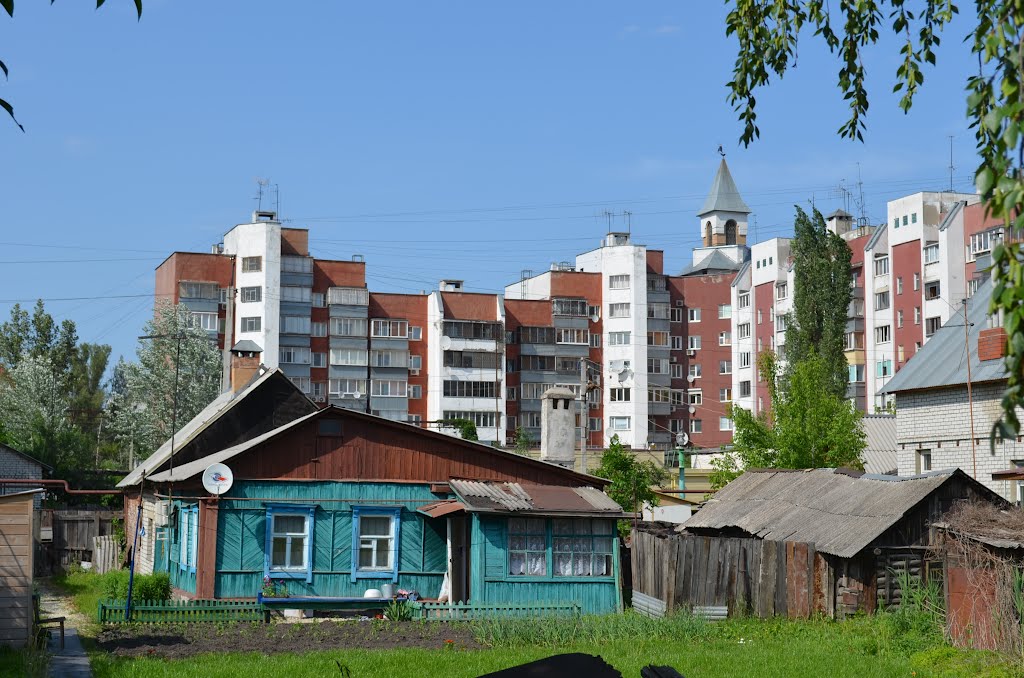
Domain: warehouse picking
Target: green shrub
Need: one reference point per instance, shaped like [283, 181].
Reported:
[155, 586]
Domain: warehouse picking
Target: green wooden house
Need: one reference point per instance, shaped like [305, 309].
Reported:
[336, 502]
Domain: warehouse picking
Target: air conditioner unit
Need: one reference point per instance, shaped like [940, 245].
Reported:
[348, 394]
[674, 359]
[414, 372]
[679, 302]
[319, 399]
[672, 408]
[595, 406]
[691, 352]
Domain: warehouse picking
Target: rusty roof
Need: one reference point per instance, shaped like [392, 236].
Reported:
[493, 497]
[838, 511]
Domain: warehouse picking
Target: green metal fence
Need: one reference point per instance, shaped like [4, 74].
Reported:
[468, 611]
[177, 611]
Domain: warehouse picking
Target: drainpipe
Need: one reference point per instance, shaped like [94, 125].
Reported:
[63, 483]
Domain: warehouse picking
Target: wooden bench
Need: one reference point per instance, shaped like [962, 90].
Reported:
[323, 603]
[39, 623]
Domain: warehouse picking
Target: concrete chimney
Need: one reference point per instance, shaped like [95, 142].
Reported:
[245, 363]
[558, 427]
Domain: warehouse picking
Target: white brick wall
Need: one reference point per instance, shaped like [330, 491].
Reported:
[939, 420]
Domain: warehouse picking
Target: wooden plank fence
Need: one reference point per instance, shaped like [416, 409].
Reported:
[471, 611]
[106, 554]
[180, 611]
[71, 533]
[748, 576]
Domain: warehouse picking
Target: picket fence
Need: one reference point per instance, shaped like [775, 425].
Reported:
[180, 611]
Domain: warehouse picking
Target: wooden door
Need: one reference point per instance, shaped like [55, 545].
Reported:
[458, 566]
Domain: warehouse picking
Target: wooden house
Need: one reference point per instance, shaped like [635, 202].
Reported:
[16, 567]
[336, 502]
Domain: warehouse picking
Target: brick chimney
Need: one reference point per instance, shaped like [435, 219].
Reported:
[558, 427]
[992, 343]
[245, 363]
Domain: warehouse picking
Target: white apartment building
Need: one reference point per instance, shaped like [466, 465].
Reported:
[255, 249]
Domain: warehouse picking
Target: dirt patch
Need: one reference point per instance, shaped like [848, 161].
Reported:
[175, 641]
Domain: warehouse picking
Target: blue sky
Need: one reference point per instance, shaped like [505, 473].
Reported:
[440, 140]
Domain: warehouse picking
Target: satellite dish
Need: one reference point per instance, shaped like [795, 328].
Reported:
[357, 395]
[217, 479]
[693, 409]
[446, 343]
[682, 439]
[594, 318]
[690, 378]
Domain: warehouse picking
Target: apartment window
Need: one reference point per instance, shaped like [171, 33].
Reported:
[618, 338]
[349, 356]
[932, 290]
[620, 423]
[696, 426]
[694, 397]
[881, 300]
[781, 290]
[724, 311]
[342, 387]
[781, 322]
[856, 374]
[294, 355]
[414, 419]
[917, 315]
[348, 327]
[198, 290]
[532, 390]
[899, 284]
[932, 325]
[481, 419]
[471, 389]
[396, 329]
[291, 264]
[416, 362]
[677, 315]
[883, 368]
[725, 395]
[724, 424]
[677, 396]
[252, 264]
[295, 324]
[415, 333]
[348, 296]
[725, 338]
[250, 294]
[743, 331]
[913, 217]
[917, 281]
[657, 365]
[677, 343]
[618, 282]
[899, 318]
[252, 324]
[983, 242]
[376, 533]
[657, 338]
[759, 316]
[972, 286]
[656, 283]
[302, 383]
[318, 329]
[882, 265]
[883, 334]
[695, 370]
[296, 295]
[568, 335]
[693, 342]
[536, 335]
[896, 222]
[620, 395]
[206, 321]
[924, 461]
[530, 419]
[744, 359]
[743, 300]
[319, 359]
[725, 367]
[289, 541]
[900, 356]
[904, 219]
[658, 310]
[389, 388]
[570, 307]
[694, 315]
[319, 389]
[618, 310]
[677, 371]
[385, 358]
[931, 254]
[595, 340]
[319, 299]
[744, 389]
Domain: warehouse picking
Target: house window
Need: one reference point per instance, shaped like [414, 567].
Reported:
[389, 358]
[294, 355]
[568, 335]
[725, 395]
[251, 294]
[896, 222]
[883, 334]
[694, 397]
[252, 264]
[375, 542]
[416, 392]
[743, 330]
[725, 367]
[759, 316]
[251, 324]
[346, 387]
[932, 325]
[348, 356]
[899, 318]
[618, 338]
[724, 311]
[899, 284]
[319, 389]
[904, 219]
[780, 323]
[724, 424]
[677, 371]
[913, 217]
[677, 315]
[931, 254]
[924, 461]
[415, 333]
[695, 370]
[206, 321]
[318, 329]
[883, 368]
[658, 395]
[295, 324]
[348, 327]
[581, 547]
[657, 338]
[398, 329]
[677, 343]
[618, 310]
[319, 299]
[743, 300]
[301, 295]
[917, 281]
[745, 359]
[694, 342]
[288, 542]
[725, 338]
[348, 296]
[527, 547]
[881, 300]
[198, 290]
[595, 340]
[917, 315]
[744, 389]
[657, 365]
[389, 388]
[571, 307]
[620, 395]
[932, 290]
[781, 291]
[696, 426]
[882, 265]
[188, 537]
[618, 282]
[415, 362]
[619, 423]
[694, 315]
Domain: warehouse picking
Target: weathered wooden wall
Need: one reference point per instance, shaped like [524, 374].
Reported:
[16, 569]
[73, 533]
[749, 576]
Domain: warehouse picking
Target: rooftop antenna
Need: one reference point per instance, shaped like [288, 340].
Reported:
[861, 210]
[951, 168]
[277, 200]
[755, 227]
[260, 185]
[629, 221]
[608, 214]
[842, 193]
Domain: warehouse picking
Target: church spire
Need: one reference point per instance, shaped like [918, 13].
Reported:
[724, 196]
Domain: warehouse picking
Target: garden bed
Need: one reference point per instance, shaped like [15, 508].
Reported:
[176, 641]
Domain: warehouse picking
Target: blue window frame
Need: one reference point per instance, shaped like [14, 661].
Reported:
[375, 533]
[289, 542]
[188, 537]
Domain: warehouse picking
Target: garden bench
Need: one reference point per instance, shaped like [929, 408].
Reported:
[322, 603]
[40, 623]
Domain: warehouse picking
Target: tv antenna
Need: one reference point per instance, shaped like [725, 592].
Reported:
[261, 185]
[951, 167]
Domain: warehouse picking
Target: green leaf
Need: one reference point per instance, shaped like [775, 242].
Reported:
[984, 180]
[138, 8]
[99, 3]
[3, 68]
[8, 5]
[10, 110]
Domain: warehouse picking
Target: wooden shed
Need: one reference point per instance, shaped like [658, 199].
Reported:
[16, 567]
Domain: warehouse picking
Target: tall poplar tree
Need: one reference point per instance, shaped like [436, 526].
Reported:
[821, 301]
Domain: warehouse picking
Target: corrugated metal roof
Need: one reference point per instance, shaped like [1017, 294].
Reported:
[942, 361]
[441, 508]
[838, 512]
[494, 497]
[880, 434]
[724, 196]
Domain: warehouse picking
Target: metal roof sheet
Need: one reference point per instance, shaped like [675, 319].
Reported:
[441, 508]
[942, 361]
[880, 452]
[724, 196]
[839, 512]
[495, 497]
[716, 261]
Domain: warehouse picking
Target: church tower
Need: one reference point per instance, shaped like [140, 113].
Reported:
[723, 218]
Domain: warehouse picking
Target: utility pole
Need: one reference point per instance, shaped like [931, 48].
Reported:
[970, 395]
[583, 414]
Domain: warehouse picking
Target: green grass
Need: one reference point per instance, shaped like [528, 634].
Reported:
[25, 662]
[86, 590]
